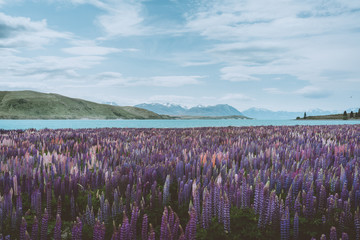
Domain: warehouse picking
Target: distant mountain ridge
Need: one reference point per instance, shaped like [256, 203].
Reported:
[261, 113]
[36, 105]
[177, 110]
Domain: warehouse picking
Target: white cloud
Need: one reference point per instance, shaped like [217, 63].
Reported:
[236, 74]
[176, 99]
[20, 32]
[121, 18]
[273, 90]
[117, 79]
[236, 96]
[313, 92]
[305, 39]
[174, 81]
[94, 50]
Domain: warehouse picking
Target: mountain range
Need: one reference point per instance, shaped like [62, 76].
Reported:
[222, 110]
[36, 105]
[261, 113]
[227, 110]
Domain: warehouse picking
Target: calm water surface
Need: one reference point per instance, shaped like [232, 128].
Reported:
[55, 124]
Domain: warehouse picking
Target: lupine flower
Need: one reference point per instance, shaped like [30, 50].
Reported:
[48, 198]
[35, 229]
[357, 224]
[344, 236]
[276, 171]
[22, 233]
[151, 233]
[44, 225]
[144, 230]
[166, 191]
[164, 222]
[226, 215]
[125, 228]
[58, 209]
[99, 231]
[77, 229]
[333, 235]
[190, 231]
[296, 226]
[57, 229]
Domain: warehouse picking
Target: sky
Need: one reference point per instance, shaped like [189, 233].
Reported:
[276, 54]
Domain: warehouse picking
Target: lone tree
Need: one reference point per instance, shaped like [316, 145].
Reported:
[304, 115]
[345, 116]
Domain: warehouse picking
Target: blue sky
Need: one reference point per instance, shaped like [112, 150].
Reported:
[275, 54]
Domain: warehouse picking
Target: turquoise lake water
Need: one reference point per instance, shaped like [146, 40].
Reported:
[55, 124]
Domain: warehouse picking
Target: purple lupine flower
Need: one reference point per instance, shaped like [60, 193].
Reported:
[296, 226]
[35, 229]
[116, 233]
[44, 225]
[204, 216]
[164, 222]
[175, 229]
[333, 235]
[309, 204]
[284, 230]
[357, 224]
[344, 236]
[99, 231]
[57, 229]
[226, 214]
[151, 233]
[77, 229]
[125, 228]
[58, 209]
[263, 209]
[27, 236]
[323, 237]
[144, 230]
[106, 211]
[133, 222]
[197, 206]
[190, 231]
[166, 191]
[22, 233]
[48, 198]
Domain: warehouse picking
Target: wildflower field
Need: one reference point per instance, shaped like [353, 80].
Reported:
[283, 182]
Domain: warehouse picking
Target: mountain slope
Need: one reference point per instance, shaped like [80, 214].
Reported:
[36, 105]
[177, 110]
[169, 109]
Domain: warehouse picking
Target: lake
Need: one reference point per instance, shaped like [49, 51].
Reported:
[55, 124]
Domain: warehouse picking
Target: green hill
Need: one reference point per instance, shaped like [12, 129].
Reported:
[36, 105]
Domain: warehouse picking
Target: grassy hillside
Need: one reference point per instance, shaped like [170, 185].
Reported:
[36, 105]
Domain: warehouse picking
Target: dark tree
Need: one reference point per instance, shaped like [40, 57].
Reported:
[351, 114]
[304, 115]
[345, 115]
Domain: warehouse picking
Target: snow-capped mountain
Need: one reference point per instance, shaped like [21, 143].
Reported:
[177, 110]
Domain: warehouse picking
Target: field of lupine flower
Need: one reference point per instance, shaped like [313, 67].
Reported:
[287, 182]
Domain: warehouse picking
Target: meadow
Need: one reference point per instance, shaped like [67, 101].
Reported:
[265, 182]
